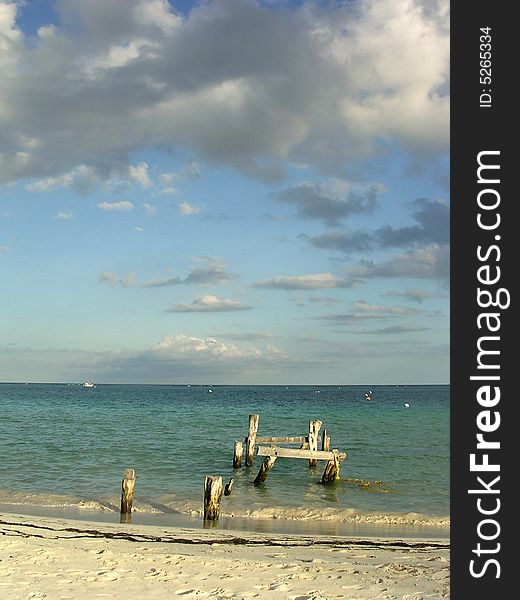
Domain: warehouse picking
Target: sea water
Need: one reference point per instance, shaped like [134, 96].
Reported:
[63, 449]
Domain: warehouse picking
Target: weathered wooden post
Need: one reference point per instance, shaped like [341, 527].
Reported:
[331, 472]
[267, 465]
[127, 491]
[251, 439]
[229, 487]
[325, 441]
[237, 455]
[314, 428]
[212, 497]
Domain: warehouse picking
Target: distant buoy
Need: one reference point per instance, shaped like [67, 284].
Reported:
[406, 405]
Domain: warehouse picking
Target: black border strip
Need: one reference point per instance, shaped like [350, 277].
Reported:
[477, 127]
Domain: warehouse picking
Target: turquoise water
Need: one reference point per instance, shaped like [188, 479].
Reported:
[65, 446]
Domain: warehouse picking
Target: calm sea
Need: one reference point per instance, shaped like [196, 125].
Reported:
[64, 448]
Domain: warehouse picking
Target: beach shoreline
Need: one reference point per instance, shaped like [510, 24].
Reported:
[43, 557]
[412, 525]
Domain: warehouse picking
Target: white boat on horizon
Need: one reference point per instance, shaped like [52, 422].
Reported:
[88, 384]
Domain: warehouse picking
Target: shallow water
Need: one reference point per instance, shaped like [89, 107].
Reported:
[64, 447]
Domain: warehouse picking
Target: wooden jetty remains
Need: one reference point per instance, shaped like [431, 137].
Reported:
[308, 450]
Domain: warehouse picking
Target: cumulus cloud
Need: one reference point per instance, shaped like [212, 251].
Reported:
[110, 78]
[314, 281]
[122, 206]
[209, 303]
[184, 346]
[211, 271]
[139, 174]
[183, 357]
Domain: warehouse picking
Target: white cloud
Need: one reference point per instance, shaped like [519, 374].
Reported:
[183, 346]
[123, 205]
[150, 210]
[113, 279]
[187, 209]
[427, 262]
[313, 281]
[139, 75]
[209, 303]
[211, 270]
[81, 178]
[139, 174]
[64, 215]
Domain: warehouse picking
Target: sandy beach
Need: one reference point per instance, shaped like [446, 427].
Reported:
[64, 559]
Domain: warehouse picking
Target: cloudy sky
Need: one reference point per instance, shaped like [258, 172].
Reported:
[224, 191]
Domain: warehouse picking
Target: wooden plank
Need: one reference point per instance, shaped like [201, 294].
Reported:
[288, 439]
[294, 453]
[251, 439]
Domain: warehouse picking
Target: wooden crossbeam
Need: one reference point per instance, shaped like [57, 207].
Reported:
[288, 439]
[294, 453]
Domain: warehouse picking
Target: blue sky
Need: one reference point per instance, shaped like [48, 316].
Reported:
[224, 192]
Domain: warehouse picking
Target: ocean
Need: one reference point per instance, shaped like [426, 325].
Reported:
[64, 448]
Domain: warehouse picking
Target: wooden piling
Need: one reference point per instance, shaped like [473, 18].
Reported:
[212, 497]
[251, 439]
[314, 428]
[237, 455]
[229, 487]
[325, 441]
[127, 491]
[267, 465]
[331, 472]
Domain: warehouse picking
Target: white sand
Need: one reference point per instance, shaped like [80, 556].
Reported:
[59, 560]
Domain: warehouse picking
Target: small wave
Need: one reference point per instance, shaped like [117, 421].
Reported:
[192, 508]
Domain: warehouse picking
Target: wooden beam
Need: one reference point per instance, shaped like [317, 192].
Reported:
[267, 465]
[295, 453]
[331, 472]
[288, 439]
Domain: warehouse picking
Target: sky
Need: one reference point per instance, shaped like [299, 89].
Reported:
[226, 191]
